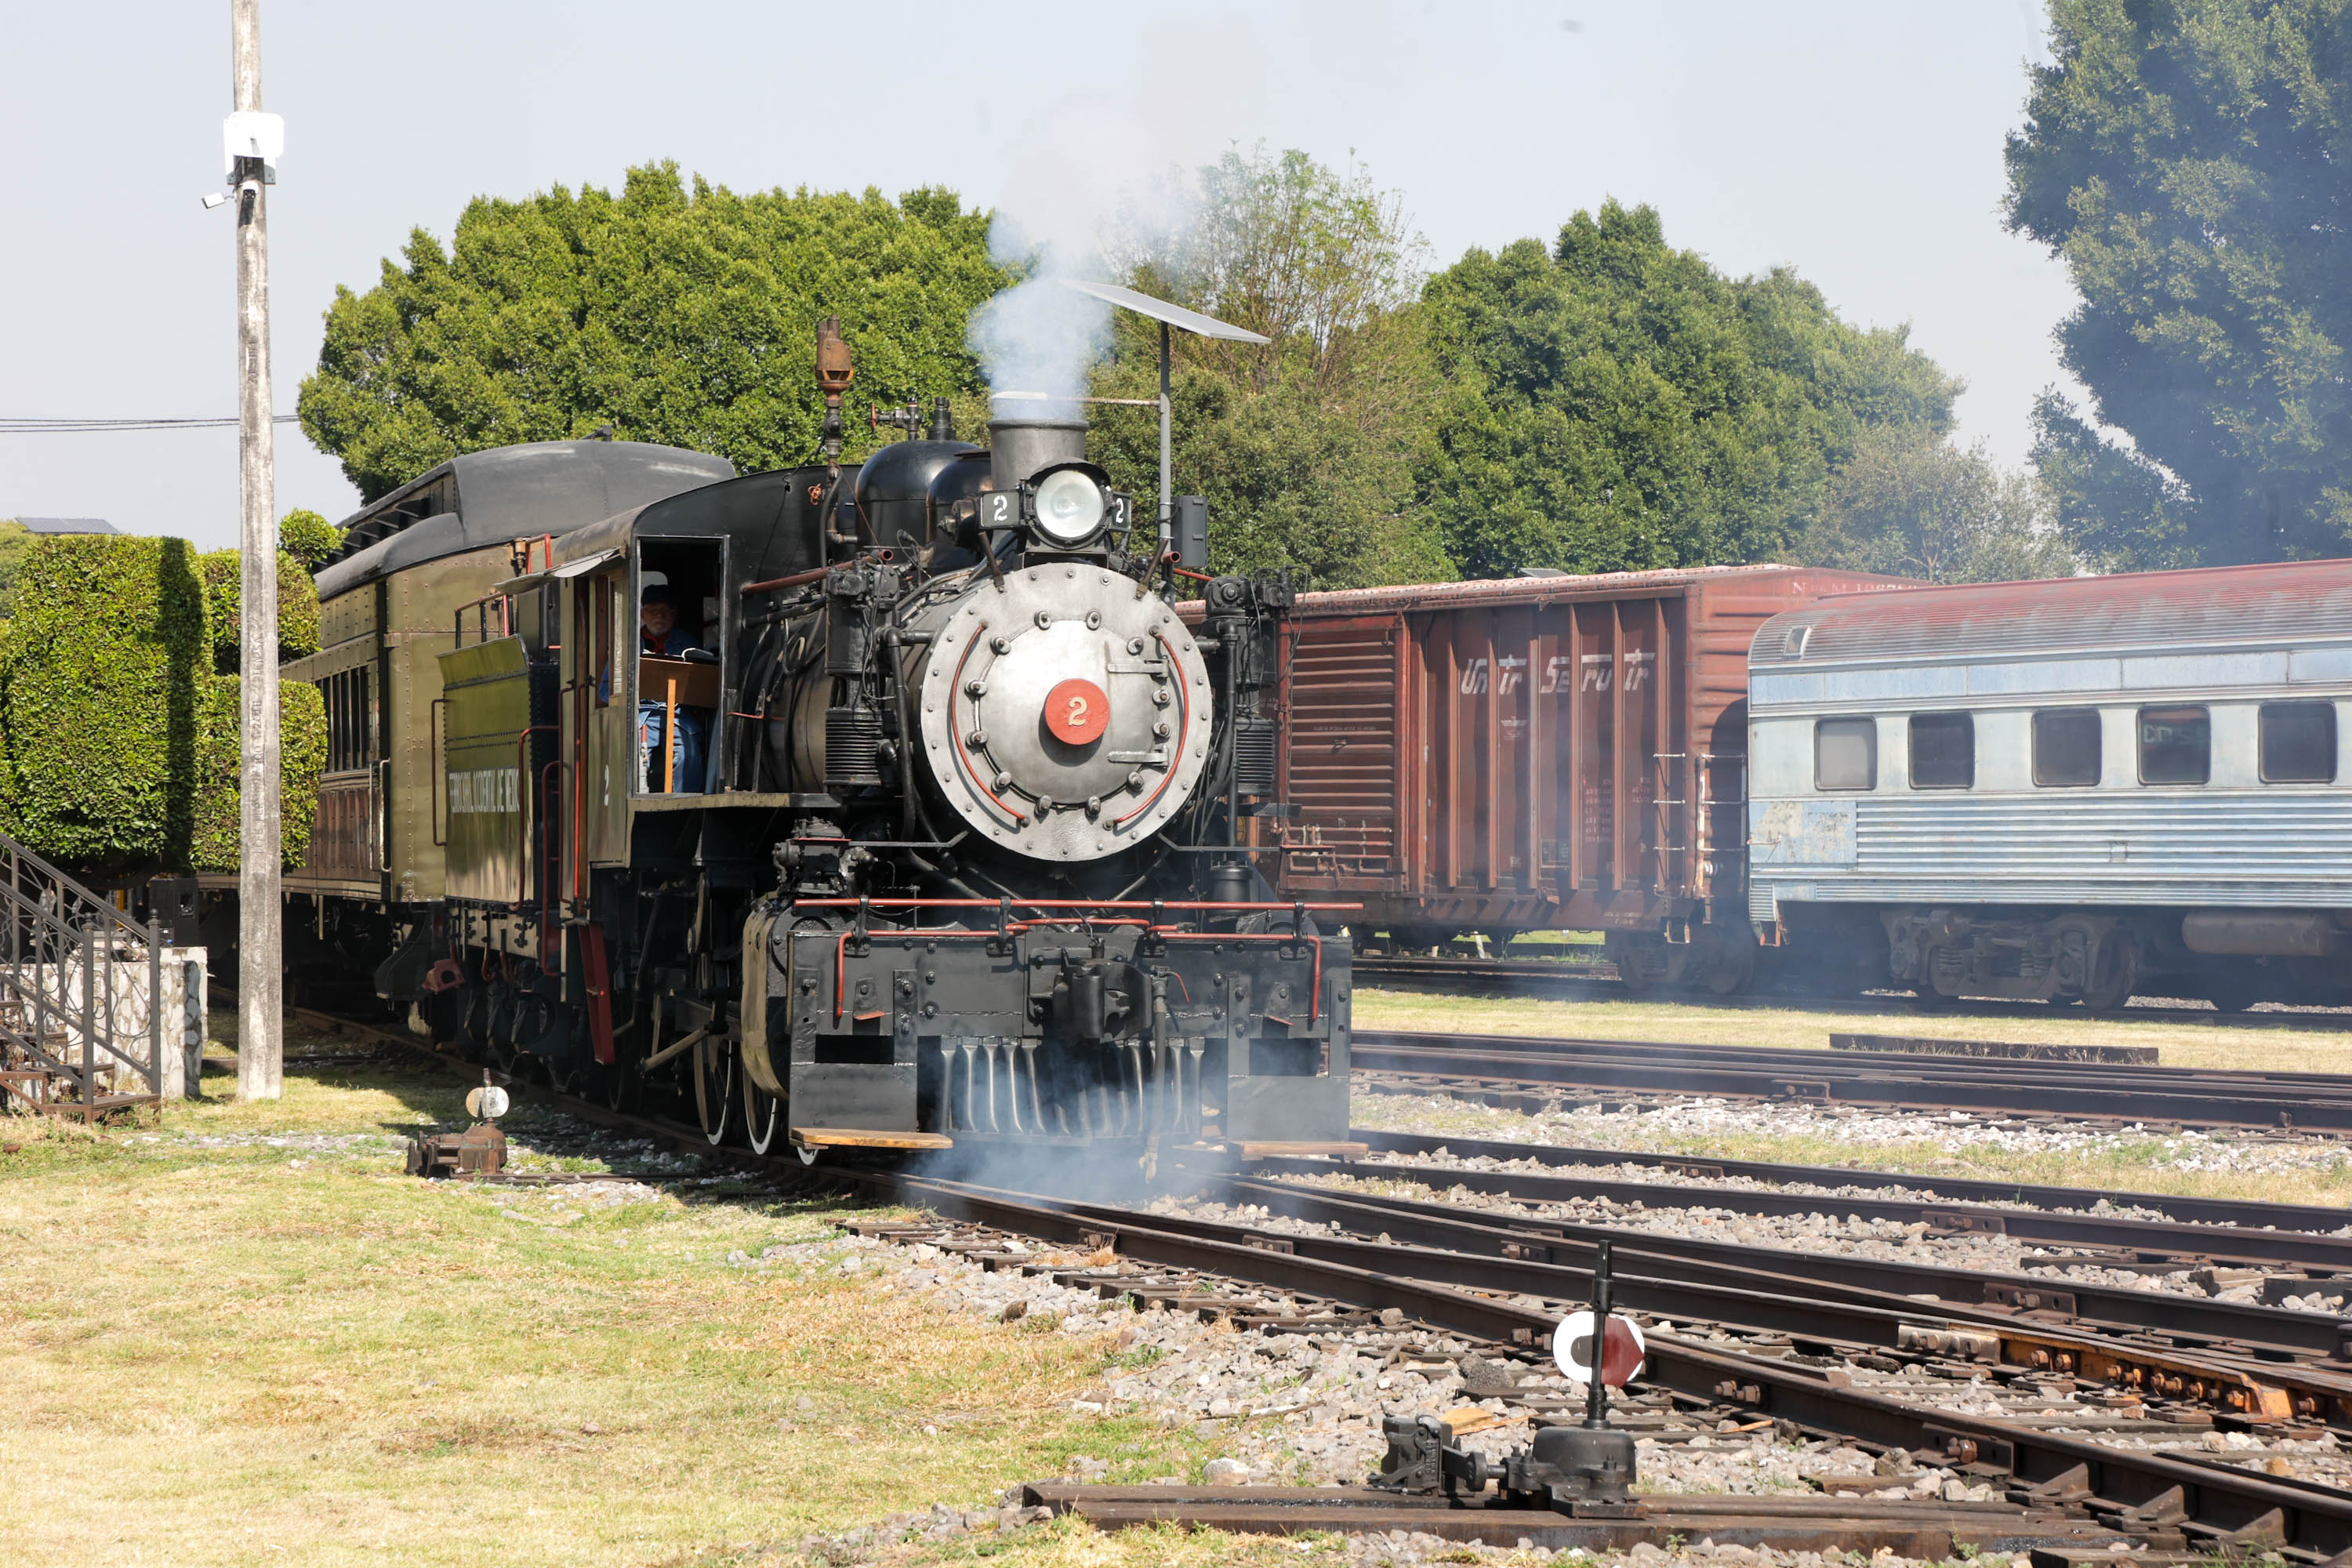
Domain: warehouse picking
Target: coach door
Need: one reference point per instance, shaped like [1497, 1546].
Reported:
[597, 708]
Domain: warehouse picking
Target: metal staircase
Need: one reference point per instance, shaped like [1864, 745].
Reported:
[77, 1038]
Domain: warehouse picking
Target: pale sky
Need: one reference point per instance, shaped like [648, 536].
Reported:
[1860, 142]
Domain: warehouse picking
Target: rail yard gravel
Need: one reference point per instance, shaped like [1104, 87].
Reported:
[1850, 1236]
[1674, 1126]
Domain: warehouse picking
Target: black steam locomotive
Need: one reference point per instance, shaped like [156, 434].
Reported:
[891, 805]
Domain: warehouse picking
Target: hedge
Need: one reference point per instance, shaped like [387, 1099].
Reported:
[223, 572]
[112, 718]
[301, 759]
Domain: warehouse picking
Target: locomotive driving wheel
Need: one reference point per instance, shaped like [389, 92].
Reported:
[763, 1117]
[714, 1089]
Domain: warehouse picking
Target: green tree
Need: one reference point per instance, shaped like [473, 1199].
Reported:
[2191, 162]
[1910, 504]
[672, 315]
[1617, 403]
[1305, 447]
[309, 538]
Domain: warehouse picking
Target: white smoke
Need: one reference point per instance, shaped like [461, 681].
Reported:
[1094, 171]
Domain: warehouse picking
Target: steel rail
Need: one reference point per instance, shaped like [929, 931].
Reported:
[1505, 974]
[2248, 1334]
[2317, 1103]
[2311, 1520]
[2234, 1246]
[2090, 1074]
[2243, 1213]
[1779, 1291]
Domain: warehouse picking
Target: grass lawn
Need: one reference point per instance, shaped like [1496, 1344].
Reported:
[241, 1336]
[2177, 1045]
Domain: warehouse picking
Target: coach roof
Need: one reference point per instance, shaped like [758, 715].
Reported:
[2301, 601]
[479, 499]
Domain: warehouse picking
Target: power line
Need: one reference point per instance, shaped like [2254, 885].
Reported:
[9, 426]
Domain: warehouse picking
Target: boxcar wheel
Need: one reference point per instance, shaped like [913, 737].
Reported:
[714, 1089]
[2115, 973]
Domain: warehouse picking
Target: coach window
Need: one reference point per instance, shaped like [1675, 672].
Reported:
[2298, 742]
[1943, 751]
[2066, 747]
[2176, 745]
[1845, 753]
[600, 635]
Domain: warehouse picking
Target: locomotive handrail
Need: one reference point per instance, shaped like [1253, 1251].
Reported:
[433, 807]
[793, 581]
[1063, 904]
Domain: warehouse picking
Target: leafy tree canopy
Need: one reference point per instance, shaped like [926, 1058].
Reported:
[1305, 447]
[1617, 403]
[309, 538]
[2191, 161]
[673, 315]
[1910, 504]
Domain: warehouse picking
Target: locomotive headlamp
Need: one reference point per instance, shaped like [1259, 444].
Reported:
[1070, 506]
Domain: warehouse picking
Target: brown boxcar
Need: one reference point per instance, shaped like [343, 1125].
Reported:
[1564, 753]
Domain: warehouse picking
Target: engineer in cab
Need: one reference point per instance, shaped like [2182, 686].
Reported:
[664, 689]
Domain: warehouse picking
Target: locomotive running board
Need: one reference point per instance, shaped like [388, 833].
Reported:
[858, 1138]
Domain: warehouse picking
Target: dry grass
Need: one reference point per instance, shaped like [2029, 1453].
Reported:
[2177, 1045]
[264, 1351]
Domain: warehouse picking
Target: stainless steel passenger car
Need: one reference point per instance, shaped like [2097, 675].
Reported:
[2067, 790]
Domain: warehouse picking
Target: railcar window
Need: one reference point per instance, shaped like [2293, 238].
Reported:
[2176, 745]
[1943, 751]
[1845, 753]
[2066, 747]
[2298, 742]
[602, 595]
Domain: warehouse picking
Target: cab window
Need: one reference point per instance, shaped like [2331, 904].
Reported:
[1845, 754]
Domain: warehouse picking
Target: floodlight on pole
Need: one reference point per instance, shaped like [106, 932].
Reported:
[1171, 318]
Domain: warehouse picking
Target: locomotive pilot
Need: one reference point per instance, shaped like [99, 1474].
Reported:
[659, 634]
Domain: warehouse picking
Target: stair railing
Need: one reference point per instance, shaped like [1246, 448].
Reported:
[59, 946]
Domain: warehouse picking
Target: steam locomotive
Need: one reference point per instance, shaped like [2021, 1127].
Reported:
[888, 806]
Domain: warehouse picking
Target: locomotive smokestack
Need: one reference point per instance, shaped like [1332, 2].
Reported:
[1018, 447]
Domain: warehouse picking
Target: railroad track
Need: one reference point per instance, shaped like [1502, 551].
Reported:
[1777, 1326]
[1590, 1069]
[1599, 982]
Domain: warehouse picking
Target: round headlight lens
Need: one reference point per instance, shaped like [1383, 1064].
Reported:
[1069, 506]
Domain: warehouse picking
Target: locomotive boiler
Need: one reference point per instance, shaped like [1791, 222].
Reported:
[890, 806]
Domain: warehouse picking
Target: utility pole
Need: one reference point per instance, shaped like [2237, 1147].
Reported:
[260, 969]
